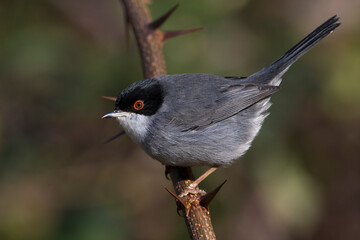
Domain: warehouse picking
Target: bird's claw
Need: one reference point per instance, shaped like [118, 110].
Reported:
[192, 189]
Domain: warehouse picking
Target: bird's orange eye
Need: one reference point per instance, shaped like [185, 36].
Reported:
[138, 105]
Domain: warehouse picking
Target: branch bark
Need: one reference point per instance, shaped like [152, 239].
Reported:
[150, 41]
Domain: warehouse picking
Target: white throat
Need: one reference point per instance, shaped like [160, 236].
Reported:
[135, 125]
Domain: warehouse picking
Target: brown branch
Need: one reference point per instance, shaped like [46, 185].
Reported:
[150, 42]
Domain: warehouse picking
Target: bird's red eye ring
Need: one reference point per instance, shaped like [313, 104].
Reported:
[138, 105]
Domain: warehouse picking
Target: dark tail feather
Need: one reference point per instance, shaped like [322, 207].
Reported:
[279, 67]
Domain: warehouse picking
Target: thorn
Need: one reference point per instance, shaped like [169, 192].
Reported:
[167, 172]
[181, 200]
[206, 199]
[158, 22]
[109, 98]
[115, 137]
[171, 34]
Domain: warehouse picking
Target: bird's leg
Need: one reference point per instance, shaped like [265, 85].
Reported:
[202, 177]
[192, 187]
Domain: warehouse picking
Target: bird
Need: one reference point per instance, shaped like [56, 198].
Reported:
[198, 119]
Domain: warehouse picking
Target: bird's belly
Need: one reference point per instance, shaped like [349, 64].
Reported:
[212, 146]
[184, 153]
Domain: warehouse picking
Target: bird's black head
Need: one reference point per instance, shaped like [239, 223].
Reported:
[144, 97]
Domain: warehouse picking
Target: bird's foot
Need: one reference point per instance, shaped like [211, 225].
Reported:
[192, 189]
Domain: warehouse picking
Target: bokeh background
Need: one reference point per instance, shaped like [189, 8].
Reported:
[300, 180]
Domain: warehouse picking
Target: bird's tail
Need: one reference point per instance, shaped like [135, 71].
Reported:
[272, 73]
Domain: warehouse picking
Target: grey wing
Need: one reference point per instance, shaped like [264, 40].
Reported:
[232, 99]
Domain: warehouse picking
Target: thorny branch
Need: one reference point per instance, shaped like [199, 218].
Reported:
[150, 41]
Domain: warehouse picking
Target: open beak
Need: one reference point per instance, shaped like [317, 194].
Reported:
[116, 113]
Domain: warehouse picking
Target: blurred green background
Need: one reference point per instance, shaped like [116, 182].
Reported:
[300, 180]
